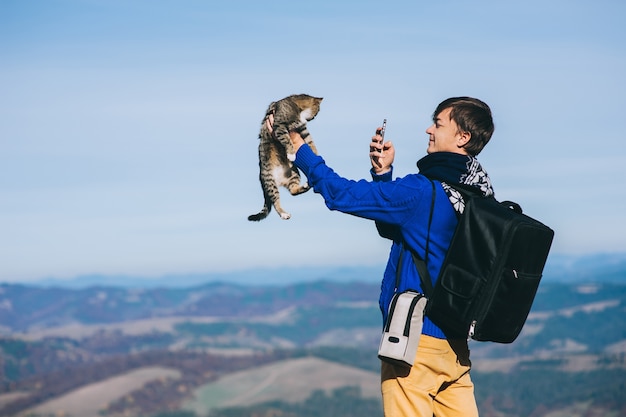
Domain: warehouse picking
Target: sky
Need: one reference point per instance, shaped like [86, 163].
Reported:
[129, 129]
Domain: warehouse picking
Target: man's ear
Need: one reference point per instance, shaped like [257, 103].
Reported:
[464, 138]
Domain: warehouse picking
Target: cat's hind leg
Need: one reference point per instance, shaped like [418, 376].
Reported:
[275, 178]
[293, 184]
[267, 207]
[282, 213]
[271, 196]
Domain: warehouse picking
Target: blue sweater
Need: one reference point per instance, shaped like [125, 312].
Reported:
[400, 208]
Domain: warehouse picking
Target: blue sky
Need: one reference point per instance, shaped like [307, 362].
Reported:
[128, 135]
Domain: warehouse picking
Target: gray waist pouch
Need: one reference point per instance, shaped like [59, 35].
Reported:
[402, 331]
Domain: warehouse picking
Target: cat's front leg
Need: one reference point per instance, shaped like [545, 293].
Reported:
[301, 129]
[308, 139]
[282, 135]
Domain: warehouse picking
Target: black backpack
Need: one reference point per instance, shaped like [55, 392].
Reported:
[491, 271]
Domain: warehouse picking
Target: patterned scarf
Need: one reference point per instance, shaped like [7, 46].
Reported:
[453, 168]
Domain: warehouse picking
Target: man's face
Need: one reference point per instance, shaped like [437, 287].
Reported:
[444, 135]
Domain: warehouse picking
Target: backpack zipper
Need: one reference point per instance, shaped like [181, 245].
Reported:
[471, 330]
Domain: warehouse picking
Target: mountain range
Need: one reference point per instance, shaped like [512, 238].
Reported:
[602, 267]
[232, 349]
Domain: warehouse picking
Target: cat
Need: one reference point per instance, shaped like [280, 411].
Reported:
[276, 152]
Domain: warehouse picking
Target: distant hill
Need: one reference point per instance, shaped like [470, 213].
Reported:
[293, 380]
[172, 347]
[255, 276]
[599, 267]
[257, 318]
[29, 308]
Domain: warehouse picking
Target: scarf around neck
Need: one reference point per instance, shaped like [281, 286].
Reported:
[454, 168]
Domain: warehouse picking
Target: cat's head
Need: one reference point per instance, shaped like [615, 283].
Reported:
[309, 105]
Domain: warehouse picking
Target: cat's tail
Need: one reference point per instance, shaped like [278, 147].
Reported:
[263, 213]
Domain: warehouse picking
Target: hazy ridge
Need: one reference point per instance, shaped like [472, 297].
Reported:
[604, 267]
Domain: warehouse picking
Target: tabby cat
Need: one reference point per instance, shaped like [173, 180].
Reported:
[276, 152]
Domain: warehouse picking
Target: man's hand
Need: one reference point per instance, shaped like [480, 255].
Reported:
[295, 137]
[381, 154]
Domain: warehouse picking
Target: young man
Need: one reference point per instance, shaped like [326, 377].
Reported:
[439, 382]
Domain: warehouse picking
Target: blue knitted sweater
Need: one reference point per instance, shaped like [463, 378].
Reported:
[401, 209]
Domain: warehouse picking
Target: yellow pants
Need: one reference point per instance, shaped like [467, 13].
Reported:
[438, 384]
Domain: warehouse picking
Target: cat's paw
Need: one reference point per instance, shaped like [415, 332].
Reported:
[291, 156]
[285, 216]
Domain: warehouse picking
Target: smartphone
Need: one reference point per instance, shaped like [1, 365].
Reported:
[382, 134]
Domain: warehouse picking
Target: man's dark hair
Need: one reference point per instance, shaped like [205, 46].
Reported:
[470, 115]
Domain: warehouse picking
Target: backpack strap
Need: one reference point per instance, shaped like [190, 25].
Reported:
[420, 264]
[422, 269]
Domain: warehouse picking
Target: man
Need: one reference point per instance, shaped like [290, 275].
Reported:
[439, 382]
